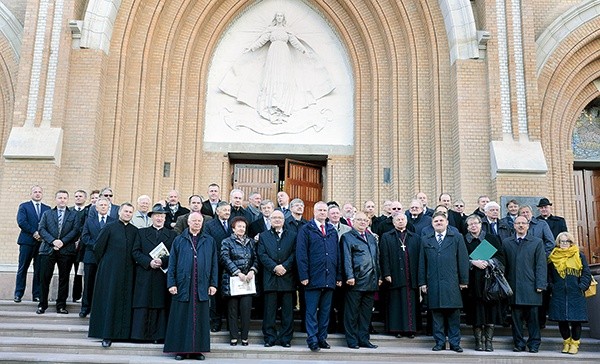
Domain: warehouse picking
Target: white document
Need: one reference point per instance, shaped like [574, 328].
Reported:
[159, 252]
[240, 288]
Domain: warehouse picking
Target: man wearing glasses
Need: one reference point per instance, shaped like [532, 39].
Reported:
[113, 210]
[526, 271]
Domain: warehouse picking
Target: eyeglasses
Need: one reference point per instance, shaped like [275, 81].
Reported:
[521, 223]
[459, 205]
[107, 195]
[565, 241]
[414, 207]
[396, 208]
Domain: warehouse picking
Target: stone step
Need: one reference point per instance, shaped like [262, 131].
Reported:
[89, 351]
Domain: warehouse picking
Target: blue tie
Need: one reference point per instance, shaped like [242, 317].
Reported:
[440, 239]
[102, 222]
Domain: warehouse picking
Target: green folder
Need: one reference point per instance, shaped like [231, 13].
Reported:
[484, 251]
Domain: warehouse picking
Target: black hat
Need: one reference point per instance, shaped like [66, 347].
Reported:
[544, 202]
[158, 209]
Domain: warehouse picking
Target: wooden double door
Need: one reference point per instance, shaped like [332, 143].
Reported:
[299, 179]
[587, 202]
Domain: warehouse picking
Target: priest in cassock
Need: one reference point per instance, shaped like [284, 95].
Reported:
[151, 300]
[192, 277]
[399, 260]
[113, 291]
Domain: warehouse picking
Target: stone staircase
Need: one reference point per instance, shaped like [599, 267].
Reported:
[52, 338]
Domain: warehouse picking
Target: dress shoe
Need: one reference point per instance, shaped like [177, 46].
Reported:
[83, 314]
[36, 299]
[214, 329]
[62, 311]
[533, 350]
[17, 299]
[324, 345]
[314, 348]
[233, 342]
[200, 356]
[369, 345]
[179, 357]
[438, 348]
[457, 348]
[518, 350]
[244, 342]
[286, 345]
[40, 311]
[268, 345]
[106, 343]
[354, 346]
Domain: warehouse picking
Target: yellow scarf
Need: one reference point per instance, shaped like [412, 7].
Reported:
[566, 261]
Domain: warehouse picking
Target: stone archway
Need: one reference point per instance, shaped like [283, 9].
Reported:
[568, 63]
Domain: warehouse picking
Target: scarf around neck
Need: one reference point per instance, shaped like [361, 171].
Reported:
[566, 261]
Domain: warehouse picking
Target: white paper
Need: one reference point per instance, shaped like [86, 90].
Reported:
[239, 287]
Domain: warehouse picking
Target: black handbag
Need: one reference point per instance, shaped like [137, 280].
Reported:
[496, 285]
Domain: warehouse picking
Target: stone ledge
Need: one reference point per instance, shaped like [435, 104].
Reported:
[41, 143]
[510, 156]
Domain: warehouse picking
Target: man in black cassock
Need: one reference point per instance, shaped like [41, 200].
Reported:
[113, 291]
[192, 277]
[150, 296]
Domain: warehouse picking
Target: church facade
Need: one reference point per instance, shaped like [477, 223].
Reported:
[385, 97]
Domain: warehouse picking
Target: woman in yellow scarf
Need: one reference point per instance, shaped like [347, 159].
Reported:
[569, 278]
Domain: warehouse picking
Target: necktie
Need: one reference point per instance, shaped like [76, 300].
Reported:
[60, 220]
[439, 239]
[494, 228]
[323, 229]
[268, 224]
[225, 225]
[363, 236]
[349, 222]
[37, 209]
[102, 222]
[519, 241]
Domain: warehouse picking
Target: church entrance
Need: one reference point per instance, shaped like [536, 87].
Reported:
[298, 178]
[587, 202]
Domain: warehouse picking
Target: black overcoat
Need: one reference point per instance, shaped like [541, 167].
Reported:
[526, 269]
[150, 290]
[443, 269]
[272, 251]
[113, 291]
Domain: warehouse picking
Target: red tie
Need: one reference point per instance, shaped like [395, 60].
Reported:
[323, 229]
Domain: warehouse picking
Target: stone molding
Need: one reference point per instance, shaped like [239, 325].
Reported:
[98, 24]
[460, 28]
[12, 29]
[562, 27]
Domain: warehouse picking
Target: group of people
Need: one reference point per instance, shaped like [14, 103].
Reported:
[165, 273]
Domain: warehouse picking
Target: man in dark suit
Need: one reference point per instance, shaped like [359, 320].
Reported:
[526, 272]
[91, 230]
[443, 272]
[28, 218]
[557, 224]
[363, 277]
[236, 198]
[195, 202]
[277, 253]
[317, 257]
[59, 229]
[219, 229]
[209, 207]
[80, 209]
[283, 200]
[113, 210]
[263, 222]
[295, 220]
[174, 209]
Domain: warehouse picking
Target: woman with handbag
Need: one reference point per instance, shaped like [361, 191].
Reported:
[238, 258]
[569, 278]
[481, 313]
